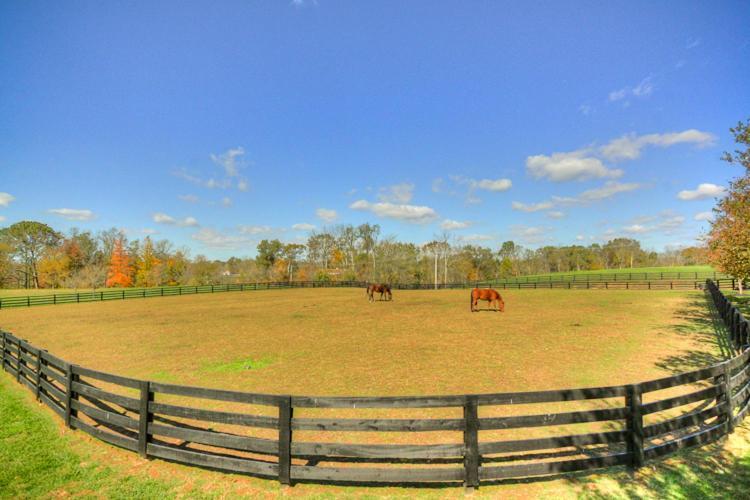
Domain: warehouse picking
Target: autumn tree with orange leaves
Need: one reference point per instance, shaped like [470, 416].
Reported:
[729, 239]
[120, 272]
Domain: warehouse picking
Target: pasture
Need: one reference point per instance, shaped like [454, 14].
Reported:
[333, 342]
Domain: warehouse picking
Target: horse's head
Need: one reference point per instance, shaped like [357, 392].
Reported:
[501, 304]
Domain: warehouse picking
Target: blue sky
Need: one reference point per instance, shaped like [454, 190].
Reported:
[217, 124]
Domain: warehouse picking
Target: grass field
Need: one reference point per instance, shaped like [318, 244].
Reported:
[331, 341]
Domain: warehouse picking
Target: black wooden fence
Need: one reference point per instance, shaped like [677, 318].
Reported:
[167, 291]
[636, 422]
[619, 276]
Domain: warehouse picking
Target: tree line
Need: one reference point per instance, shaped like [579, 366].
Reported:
[34, 255]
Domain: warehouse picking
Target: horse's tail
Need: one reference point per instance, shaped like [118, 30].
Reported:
[471, 300]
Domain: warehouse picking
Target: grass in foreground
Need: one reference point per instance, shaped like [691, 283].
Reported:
[43, 460]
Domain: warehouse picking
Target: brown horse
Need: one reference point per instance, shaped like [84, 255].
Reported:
[380, 288]
[489, 295]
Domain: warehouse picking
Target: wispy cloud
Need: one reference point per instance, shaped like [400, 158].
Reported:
[162, 218]
[252, 230]
[73, 213]
[6, 199]
[398, 193]
[231, 162]
[531, 235]
[226, 202]
[585, 109]
[555, 214]
[607, 190]
[692, 43]
[704, 216]
[703, 191]
[469, 238]
[326, 214]
[667, 222]
[629, 146]
[303, 226]
[408, 213]
[450, 224]
[215, 239]
[644, 88]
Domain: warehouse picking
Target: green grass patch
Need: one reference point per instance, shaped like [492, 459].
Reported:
[237, 366]
[39, 462]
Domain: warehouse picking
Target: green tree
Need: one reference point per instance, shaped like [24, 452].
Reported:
[28, 241]
[269, 251]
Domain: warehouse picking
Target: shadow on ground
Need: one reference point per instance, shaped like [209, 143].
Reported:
[699, 321]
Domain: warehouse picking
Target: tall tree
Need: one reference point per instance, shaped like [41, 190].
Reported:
[120, 271]
[148, 270]
[269, 251]
[28, 241]
[729, 239]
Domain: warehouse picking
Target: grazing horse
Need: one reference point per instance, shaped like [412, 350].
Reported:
[489, 295]
[380, 288]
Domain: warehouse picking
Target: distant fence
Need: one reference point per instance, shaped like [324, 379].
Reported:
[623, 276]
[641, 421]
[167, 291]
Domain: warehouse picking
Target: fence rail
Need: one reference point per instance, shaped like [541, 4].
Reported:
[169, 291]
[623, 276]
[179, 423]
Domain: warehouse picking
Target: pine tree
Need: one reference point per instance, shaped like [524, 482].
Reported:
[120, 271]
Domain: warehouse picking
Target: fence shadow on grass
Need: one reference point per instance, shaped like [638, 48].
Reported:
[706, 472]
[700, 321]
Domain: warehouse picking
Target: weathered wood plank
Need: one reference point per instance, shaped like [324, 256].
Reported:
[665, 404]
[552, 442]
[205, 459]
[376, 475]
[54, 361]
[216, 394]
[107, 377]
[215, 416]
[53, 374]
[220, 439]
[378, 425]
[377, 451]
[52, 390]
[378, 402]
[52, 405]
[682, 378]
[547, 468]
[124, 401]
[697, 438]
[683, 421]
[542, 420]
[105, 416]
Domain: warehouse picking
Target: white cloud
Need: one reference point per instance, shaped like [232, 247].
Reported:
[704, 216]
[495, 185]
[254, 229]
[666, 222]
[242, 185]
[580, 237]
[214, 239]
[2, 218]
[703, 191]
[230, 161]
[73, 213]
[408, 213]
[6, 199]
[575, 165]
[555, 214]
[437, 185]
[644, 89]
[226, 201]
[475, 237]
[162, 218]
[450, 225]
[585, 109]
[190, 198]
[531, 207]
[326, 214]
[628, 147]
[303, 226]
[398, 193]
[149, 231]
[608, 190]
[636, 229]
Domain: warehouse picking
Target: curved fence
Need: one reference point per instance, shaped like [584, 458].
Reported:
[169, 291]
[470, 438]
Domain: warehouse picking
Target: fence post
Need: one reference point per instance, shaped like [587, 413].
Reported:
[2, 354]
[635, 425]
[38, 374]
[727, 393]
[471, 443]
[144, 417]
[285, 440]
[18, 361]
[69, 377]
